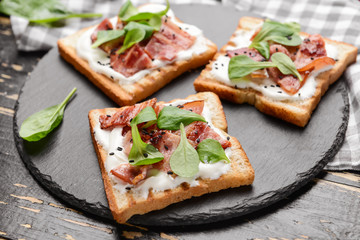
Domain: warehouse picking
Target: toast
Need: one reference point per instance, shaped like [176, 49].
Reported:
[125, 92]
[297, 112]
[124, 204]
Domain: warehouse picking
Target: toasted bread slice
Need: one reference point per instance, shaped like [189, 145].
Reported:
[123, 205]
[130, 93]
[297, 112]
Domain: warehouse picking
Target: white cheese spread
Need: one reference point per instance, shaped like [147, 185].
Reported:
[266, 86]
[111, 140]
[99, 60]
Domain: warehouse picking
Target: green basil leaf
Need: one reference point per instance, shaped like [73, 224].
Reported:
[285, 64]
[147, 115]
[211, 151]
[142, 153]
[127, 10]
[170, 118]
[40, 124]
[263, 48]
[132, 37]
[185, 160]
[147, 15]
[41, 12]
[293, 40]
[106, 36]
[241, 66]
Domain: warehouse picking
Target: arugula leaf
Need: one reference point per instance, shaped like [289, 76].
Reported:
[285, 64]
[211, 151]
[40, 124]
[170, 118]
[41, 11]
[185, 160]
[106, 36]
[142, 153]
[241, 66]
[143, 15]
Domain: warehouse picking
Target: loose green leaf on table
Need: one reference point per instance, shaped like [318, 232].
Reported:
[38, 125]
[185, 160]
[142, 153]
[211, 151]
[170, 118]
[285, 65]
[41, 11]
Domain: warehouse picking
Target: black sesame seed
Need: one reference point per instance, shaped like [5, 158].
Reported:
[130, 119]
[277, 85]
[131, 161]
[245, 52]
[119, 148]
[180, 28]
[108, 115]
[190, 110]
[180, 106]
[226, 55]
[289, 37]
[170, 172]
[111, 153]
[279, 91]
[165, 20]
[276, 49]
[336, 60]
[265, 86]
[222, 64]
[235, 54]
[236, 86]
[159, 70]
[272, 85]
[162, 133]
[128, 188]
[228, 138]
[312, 58]
[216, 68]
[146, 155]
[216, 64]
[166, 147]
[281, 77]
[299, 94]
[112, 77]
[198, 140]
[152, 59]
[170, 104]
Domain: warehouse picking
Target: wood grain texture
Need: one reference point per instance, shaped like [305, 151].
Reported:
[320, 210]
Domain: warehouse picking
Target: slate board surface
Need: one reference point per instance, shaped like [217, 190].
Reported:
[284, 157]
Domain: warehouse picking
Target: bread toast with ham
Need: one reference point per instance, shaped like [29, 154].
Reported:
[125, 199]
[297, 112]
[128, 92]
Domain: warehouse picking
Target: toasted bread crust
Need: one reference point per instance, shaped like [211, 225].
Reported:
[123, 206]
[131, 93]
[298, 112]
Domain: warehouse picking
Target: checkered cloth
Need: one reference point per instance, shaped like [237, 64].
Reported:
[338, 20]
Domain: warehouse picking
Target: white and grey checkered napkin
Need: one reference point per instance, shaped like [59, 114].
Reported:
[335, 19]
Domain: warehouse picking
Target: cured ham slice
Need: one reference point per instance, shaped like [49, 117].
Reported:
[311, 48]
[250, 52]
[130, 174]
[124, 116]
[131, 61]
[103, 26]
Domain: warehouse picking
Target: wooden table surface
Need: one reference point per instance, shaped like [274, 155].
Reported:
[328, 207]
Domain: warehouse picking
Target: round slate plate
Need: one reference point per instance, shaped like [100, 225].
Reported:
[284, 156]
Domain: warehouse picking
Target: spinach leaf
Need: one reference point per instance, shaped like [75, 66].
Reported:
[132, 37]
[139, 16]
[241, 66]
[263, 48]
[285, 64]
[142, 153]
[170, 118]
[185, 160]
[141, 25]
[106, 36]
[211, 151]
[127, 10]
[41, 11]
[40, 124]
[292, 40]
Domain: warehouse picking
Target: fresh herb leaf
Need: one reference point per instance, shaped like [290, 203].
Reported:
[263, 48]
[140, 16]
[285, 64]
[127, 10]
[241, 66]
[41, 11]
[155, 22]
[40, 124]
[141, 25]
[211, 151]
[132, 37]
[142, 153]
[170, 118]
[106, 36]
[292, 40]
[185, 160]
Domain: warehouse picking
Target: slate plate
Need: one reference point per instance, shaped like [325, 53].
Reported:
[284, 157]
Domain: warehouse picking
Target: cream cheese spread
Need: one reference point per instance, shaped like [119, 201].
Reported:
[111, 140]
[99, 60]
[266, 86]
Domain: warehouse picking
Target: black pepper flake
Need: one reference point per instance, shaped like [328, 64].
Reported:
[119, 148]
[145, 155]
[228, 138]
[198, 140]
[272, 85]
[128, 188]
[131, 161]
[111, 153]
[170, 172]
[166, 147]
[279, 91]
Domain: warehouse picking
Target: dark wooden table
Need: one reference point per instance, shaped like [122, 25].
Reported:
[328, 207]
